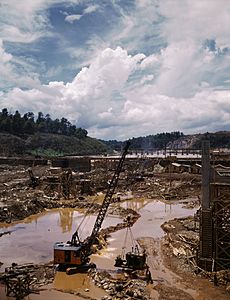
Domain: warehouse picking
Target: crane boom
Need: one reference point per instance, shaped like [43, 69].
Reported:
[108, 195]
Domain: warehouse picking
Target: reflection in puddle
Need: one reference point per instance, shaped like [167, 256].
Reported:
[153, 214]
[32, 240]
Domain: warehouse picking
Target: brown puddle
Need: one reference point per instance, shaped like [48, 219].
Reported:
[50, 294]
[33, 239]
[153, 214]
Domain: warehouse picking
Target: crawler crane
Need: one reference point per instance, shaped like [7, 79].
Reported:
[76, 253]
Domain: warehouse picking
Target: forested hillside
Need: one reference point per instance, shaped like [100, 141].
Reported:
[40, 135]
[157, 141]
[220, 139]
[174, 140]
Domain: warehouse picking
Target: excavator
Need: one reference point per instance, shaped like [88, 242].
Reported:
[76, 253]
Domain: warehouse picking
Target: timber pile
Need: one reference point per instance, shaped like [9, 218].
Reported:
[21, 280]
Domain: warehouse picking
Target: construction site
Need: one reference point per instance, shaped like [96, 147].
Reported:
[138, 225]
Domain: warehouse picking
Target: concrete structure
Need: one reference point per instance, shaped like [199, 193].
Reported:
[78, 164]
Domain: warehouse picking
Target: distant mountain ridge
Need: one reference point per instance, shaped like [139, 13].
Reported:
[220, 139]
[174, 140]
[45, 144]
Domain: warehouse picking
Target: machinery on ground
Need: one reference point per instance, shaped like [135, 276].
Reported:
[76, 253]
[34, 180]
[134, 259]
[133, 262]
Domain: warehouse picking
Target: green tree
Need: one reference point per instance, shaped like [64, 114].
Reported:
[55, 126]
[81, 133]
[41, 123]
[18, 123]
[6, 125]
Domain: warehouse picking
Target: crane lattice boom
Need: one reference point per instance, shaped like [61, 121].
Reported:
[108, 195]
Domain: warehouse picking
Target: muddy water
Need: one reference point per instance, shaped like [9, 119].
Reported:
[32, 240]
[148, 227]
[153, 214]
[48, 293]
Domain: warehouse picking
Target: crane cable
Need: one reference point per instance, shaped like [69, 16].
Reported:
[109, 191]
[85, 215]
[128, 230]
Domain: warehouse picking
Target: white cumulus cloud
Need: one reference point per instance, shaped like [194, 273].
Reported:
[99, 100]
[76, 17]
[181, 82]
[72, 18]
[90, 9]
[87, 96]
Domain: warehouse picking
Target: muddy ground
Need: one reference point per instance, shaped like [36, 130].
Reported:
[20, 198]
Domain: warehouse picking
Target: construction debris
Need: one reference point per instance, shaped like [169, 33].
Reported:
[120, 289]
[56, 187]
[21, 280]
[182, 241]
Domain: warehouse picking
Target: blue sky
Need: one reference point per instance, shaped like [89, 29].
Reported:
[118, 68]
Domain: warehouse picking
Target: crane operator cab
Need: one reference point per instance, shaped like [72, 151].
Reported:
[68, 254]
[71, 253]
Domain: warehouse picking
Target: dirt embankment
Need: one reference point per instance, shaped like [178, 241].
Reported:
[179, 248]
